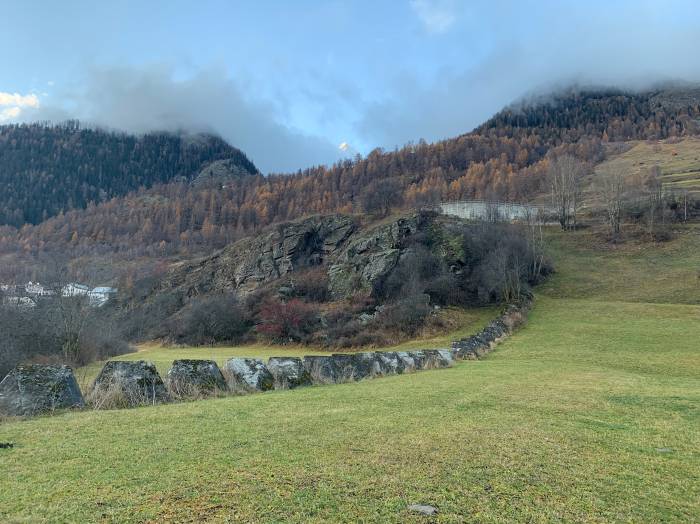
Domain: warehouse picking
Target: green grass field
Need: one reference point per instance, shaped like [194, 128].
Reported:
[591, 413]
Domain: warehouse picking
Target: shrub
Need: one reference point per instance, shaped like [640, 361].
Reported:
[312, 285]
[211, 320]
[406, 315]
[293, 321]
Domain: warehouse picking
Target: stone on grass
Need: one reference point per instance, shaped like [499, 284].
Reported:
[423, 509]
[288, 372]
[367, 365]
[407, 362]
[123, 384]
[247, 375]
[390, 363]
[419, 359]
[438, 358]
[193, 378]
[321, 369]
[345, 368]
[33, 389]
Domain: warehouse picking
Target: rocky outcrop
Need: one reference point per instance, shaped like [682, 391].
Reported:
[193, 378]
[247, 375]
[370, 257]
[219, 172]
[288, 372]
[251, 262]
[33, 389]
[123, 384]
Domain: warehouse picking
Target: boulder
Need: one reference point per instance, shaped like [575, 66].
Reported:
[195, 377]
[33, 389]
[288, 372]
[127, 384]
[248, 375]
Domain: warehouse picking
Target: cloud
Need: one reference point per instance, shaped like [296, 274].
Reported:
[438, 16]
[12, 104]
[579, 47]
[146, 99]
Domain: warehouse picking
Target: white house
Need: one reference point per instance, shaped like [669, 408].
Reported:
[19, 302]
[37, 289]
[100, 295]
[75, 290]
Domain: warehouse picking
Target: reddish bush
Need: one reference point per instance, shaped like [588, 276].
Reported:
[292, 321]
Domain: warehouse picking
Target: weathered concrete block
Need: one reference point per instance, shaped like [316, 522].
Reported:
[438, 358]
[127, 384]
[407, 362]
[192, 378]
[367, 365]
[390, 363]
[33, 389]
[419, 359]
[321, 369]
[247, 375]
[288, 372]
[345, 368]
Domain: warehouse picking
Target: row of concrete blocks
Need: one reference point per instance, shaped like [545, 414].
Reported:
[34, 389]
[478, 345]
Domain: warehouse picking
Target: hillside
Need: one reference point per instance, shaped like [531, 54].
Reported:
[47, 170]
[589, 414]
[677, 160]
[506, 159]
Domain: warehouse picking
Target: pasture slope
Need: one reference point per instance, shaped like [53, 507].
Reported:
[679, 162]
[591, 413]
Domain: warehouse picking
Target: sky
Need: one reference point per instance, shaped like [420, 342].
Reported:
[296, 83]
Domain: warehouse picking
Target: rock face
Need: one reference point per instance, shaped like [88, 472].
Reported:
[248, 375]
[219, 172]
[128, 384]
[33, 389]
[195, 377]
[370, 258]
[245, 265]
[288, 372]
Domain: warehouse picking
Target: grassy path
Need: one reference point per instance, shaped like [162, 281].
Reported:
[591, 413]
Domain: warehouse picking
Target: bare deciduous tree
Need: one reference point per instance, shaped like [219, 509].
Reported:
[565, 176]
[611, 190]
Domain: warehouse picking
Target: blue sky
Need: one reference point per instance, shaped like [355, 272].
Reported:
[289, 81]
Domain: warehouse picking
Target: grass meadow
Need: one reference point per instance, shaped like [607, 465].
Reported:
[590, 413]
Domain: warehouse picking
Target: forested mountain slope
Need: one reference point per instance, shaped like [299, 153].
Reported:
[49, 169]
[505, 158]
